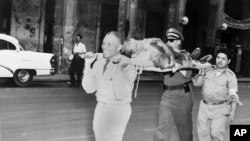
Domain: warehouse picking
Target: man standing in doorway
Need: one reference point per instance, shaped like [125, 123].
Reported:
[77, 64]
[175, 109]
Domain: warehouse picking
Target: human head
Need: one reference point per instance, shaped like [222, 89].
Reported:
[174, 38]
[111, 44]
[223, 58]
[78, 37]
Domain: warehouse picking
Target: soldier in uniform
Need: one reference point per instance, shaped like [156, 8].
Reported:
[175, 109]
[219, 98]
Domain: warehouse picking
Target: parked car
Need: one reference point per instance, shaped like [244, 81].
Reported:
[21, 65]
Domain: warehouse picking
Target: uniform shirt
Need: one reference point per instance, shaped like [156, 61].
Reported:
[216, 87]
[176, 79]
[114, 85]
[79, 48]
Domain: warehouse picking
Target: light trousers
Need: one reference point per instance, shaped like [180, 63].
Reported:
[212, 121]
[110, 121]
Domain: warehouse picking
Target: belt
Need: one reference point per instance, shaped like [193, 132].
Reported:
[214, 103]
[166, 87]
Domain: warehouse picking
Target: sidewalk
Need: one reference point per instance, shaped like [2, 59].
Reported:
[143, 77]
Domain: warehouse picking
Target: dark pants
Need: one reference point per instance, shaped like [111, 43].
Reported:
[76, 68]
[175, 113]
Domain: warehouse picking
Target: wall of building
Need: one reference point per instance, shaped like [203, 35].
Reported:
[88, 11]
[84, 17]
[27, 23]
[74, 17]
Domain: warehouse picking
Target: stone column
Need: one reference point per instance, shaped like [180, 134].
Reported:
[175, 13]
[69, 25]
[65, 24]
[122, 16]
[216, 8]
[132, 16]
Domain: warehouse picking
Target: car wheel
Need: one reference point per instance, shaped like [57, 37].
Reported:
[23, 78]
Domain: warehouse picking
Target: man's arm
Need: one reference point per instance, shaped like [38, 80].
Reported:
[89, 79]
[185, 73]
[233, 88]
[123, 80]
[199, 78]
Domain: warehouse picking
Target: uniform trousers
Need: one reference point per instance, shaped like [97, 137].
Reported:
[175, 113]
[212, 121]
[110, 121]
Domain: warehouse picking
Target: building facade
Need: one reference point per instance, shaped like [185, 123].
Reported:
[50, 25]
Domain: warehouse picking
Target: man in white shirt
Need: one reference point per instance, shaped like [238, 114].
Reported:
[77, 64]
[112, 78]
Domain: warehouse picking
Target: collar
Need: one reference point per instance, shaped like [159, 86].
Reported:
[224, 71]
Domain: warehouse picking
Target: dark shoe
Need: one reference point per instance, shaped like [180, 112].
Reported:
[207, 58]
[195, 54]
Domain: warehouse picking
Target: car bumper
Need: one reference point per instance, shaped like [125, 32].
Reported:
[52, 71]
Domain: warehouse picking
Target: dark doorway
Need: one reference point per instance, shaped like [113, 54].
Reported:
[109, 19]
[155, 24]
[5, 14]
[49, 26]
[195, 32]
[232, 38]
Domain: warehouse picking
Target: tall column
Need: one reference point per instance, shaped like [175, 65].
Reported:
[132, 13]
[175, 13]
[69, 23]
[122, 16]
[127, 17]
[215, 17]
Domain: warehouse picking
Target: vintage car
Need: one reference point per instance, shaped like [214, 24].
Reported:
[21, 65]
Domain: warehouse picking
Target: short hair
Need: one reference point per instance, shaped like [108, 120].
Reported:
[117, 35]
[225, 51]
[79, 35]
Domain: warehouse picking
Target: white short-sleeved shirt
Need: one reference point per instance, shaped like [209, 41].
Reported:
[79, 48]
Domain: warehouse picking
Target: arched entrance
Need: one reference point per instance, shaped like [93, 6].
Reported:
[236, 36]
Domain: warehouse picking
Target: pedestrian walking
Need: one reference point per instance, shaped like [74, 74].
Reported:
[77, 63]
[112, 80]
[175, 110]
[219, 98]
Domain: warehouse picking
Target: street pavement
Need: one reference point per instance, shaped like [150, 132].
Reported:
[51, 111]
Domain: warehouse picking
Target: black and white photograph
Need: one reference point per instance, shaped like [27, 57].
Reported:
[124, 70]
